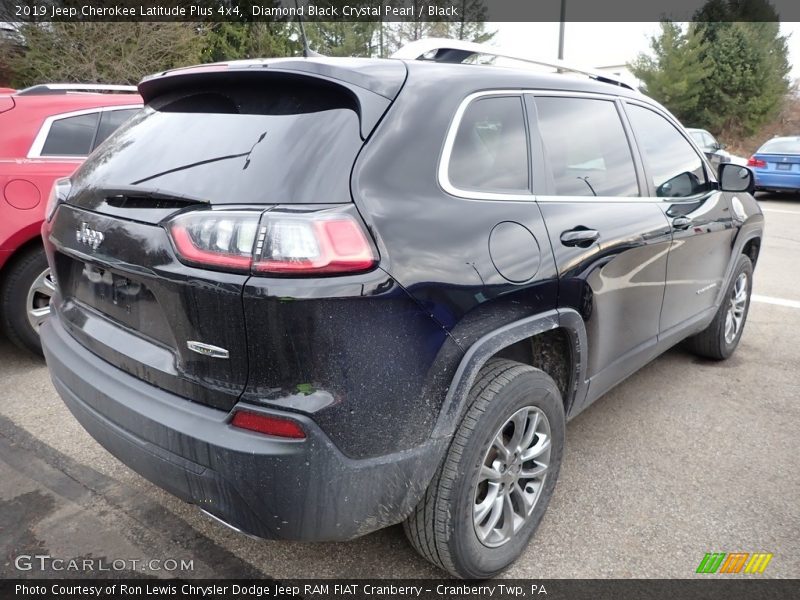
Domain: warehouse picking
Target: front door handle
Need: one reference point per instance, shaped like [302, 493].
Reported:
[580, 236]
[681, 222]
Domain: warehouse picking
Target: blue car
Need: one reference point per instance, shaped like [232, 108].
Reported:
[777, 165]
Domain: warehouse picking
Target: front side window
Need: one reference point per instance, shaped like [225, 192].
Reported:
[71, 136]
[587, 151]
[675, 168]
[490, 151]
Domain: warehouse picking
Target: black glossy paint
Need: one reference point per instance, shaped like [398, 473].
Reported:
[617, 283]
[134, 304]
[378, 364]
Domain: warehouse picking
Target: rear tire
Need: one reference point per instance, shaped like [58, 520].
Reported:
[720, 339]
[25, 298]
[504, 458]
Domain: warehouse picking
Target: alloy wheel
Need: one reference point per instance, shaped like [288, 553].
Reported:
[37, 304]
[734, 319]
[512, 476]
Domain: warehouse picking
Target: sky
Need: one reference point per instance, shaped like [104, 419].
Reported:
[602, 44]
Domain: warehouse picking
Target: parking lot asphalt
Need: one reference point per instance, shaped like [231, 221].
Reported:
[686, 457]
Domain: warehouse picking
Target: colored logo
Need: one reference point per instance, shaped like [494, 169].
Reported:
[734, 562]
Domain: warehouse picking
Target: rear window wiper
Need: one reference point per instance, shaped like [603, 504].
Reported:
[133, 196]
[245, 155]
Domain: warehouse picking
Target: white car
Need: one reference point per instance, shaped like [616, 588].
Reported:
[714, 150]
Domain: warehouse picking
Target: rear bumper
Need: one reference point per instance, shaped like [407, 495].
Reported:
[774, 180]
[268, 487]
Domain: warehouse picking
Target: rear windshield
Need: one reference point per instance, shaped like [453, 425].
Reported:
[282, 143]
[781, 147]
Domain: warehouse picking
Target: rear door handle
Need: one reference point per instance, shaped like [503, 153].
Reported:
[580, 236]
[681, 222]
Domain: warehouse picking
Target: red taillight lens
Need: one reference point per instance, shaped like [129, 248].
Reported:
[308, 245]
[280, 243]
[216, 239]
[756, 162]
[268, 425]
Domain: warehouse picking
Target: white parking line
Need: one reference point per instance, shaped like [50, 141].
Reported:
[784, 212]
[776, 301]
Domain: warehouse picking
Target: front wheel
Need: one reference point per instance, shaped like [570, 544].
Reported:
[490, 493]
[25, 299]
[719, 340]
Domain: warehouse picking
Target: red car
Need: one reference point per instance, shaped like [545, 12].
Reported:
[46, 131]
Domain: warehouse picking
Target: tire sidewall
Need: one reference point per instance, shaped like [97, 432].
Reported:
[15, 288]
[531, 388]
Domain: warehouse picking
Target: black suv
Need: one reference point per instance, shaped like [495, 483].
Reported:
[318, 297]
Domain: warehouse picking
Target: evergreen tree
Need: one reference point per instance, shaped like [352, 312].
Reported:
[728, 72]
[675, 73]
[343, 38]
[749, 80]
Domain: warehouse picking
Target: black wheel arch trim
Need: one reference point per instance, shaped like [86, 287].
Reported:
[747, 233]
[481, 351]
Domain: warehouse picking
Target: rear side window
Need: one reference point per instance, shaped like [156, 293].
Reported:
[71, 136]
[110, 120]
[587, 151]
[490, 152]
[676, 169]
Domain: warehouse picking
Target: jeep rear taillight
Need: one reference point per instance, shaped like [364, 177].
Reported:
[221, 240]
[277, 243]
[308, 244]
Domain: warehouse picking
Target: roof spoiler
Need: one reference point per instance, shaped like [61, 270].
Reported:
[456, 51]
[371, 105]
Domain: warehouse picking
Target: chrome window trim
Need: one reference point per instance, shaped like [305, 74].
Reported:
[41, 137]
[604, 199]
[710, 173]
[449, 142]
[444, 161]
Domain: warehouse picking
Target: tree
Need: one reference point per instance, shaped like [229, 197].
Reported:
[674, 75]
[225, 41]
[750, 77]
[344, 38]
[243, 37]
[102, 52]
[727, 72]
[238, 40]
[268, 38]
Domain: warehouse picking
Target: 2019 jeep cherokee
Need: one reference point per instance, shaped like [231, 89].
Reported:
[319, 297]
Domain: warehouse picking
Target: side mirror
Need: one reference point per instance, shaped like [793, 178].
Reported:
[735, 178]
